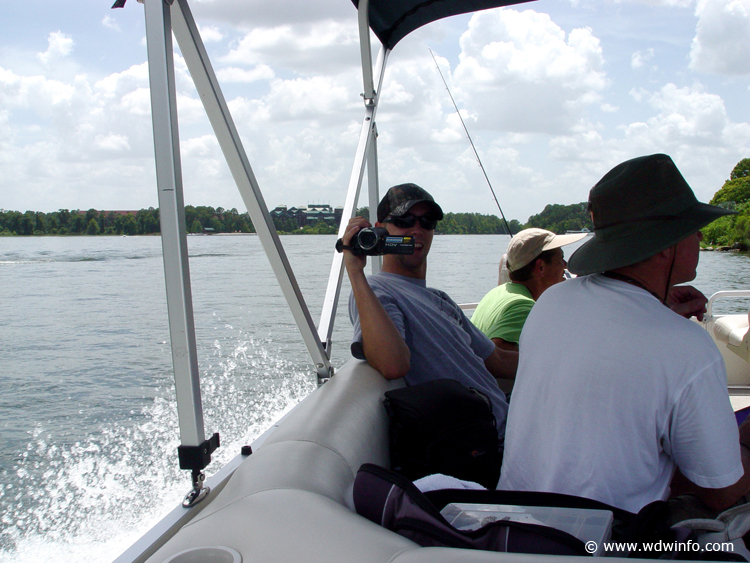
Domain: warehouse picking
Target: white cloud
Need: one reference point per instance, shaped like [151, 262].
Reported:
[687, 116]
[693, 127]
[119, 84]
[546, 105]
[112, 142]
[639, 59]
[262, 13]
[34, 92]
[110, 23]
[211, 34]
[320, 49]
[524, 74]
[722, 41]
[317, 98]
[60, 45]
[671, 3]
[239, 75]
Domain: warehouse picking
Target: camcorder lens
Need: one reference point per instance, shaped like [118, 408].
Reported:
[367, 239]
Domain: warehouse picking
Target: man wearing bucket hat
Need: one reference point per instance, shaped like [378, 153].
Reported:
[535, 262]
[405, 329]
[617, 392]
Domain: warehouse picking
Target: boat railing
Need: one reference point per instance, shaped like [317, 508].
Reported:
[735, 293]
[468, 306]
[732, 331]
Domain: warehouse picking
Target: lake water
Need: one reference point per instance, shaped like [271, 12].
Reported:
[87, 414]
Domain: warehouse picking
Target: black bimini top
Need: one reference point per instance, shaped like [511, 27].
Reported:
[392, 20]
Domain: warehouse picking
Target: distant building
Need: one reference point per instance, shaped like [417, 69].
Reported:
[310, 215]
[111, 212]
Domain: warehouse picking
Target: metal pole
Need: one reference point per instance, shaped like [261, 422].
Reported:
[366, 135]
[365, 50]
[172, 218]
[373, 190]
[199, 65]
[194, 451]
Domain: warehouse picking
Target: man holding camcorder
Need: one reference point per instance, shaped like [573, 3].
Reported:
[405, 329]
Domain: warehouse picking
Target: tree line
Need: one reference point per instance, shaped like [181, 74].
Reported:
[203, 219]
[726, 231]
[732, 230]
[561, 218]
[143, 222]
[467, 224]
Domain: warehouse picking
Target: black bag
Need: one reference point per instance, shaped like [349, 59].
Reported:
[443, 427]
[392, 501]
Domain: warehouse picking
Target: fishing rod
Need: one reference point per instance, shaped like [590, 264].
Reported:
[476, 154]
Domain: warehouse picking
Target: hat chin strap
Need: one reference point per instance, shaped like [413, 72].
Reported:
[669, 276]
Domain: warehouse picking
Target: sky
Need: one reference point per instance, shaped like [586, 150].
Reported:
[554, 93]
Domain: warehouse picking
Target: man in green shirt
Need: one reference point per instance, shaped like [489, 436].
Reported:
[535, 262]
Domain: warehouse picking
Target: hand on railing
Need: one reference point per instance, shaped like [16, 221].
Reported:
[687, 301]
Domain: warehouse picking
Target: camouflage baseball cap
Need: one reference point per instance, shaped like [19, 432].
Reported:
[399, 199]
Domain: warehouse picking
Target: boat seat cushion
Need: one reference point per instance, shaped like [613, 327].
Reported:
[731, 329]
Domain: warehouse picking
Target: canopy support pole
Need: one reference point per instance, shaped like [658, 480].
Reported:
[366, 155]
[199, 65]
[365, 51]
[373, 185]
[195, 451]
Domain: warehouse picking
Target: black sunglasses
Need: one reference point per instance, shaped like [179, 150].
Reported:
[427, 222]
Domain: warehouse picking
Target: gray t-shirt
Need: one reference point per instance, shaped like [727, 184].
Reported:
[442, 341]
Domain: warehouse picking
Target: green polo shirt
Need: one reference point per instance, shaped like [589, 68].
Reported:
[503, 311]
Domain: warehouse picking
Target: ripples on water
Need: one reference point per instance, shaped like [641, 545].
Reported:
[87, 410]
[87, 413]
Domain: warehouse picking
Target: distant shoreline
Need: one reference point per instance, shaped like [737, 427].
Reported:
[280, 233]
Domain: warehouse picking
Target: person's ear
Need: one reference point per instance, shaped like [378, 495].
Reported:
[539, 266]
[667, 253]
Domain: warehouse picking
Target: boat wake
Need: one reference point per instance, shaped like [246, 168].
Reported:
[89, 500]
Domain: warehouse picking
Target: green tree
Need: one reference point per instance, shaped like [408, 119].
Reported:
[734, 194]
[560, 218]
[76, 223]
[129, 225]
[741, 169]
[148, 221]
[63, 216]
[92, 228]
[27, 223]
[515, 226]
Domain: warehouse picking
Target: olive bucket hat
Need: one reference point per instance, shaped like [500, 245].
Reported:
[639, 208]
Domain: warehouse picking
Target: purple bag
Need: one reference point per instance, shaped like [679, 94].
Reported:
[394, 502]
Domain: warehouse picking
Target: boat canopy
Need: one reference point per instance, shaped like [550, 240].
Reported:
[392, 20]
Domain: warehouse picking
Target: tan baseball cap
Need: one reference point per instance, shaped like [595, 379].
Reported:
[530, 243]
